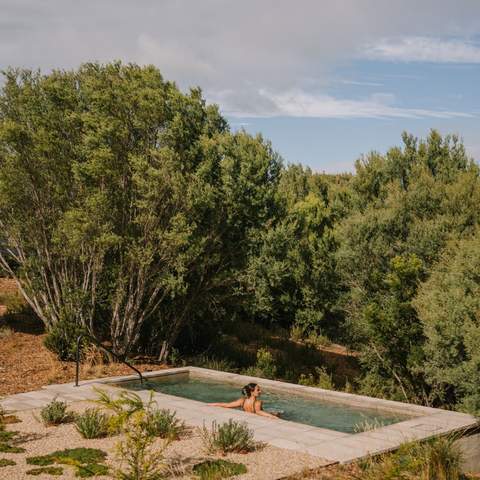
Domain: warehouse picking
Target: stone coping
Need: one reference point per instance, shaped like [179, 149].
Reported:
[424, 422]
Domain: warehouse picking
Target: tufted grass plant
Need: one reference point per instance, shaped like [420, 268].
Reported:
[228, 437]
[55, 413]
[93, 423]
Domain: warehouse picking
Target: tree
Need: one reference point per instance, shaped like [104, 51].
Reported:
[448, 305]
[124, 202]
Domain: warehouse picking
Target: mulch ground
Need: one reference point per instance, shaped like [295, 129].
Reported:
[26, 365]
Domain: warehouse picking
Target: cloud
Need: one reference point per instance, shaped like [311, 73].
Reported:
[302, 104]
[424, 49]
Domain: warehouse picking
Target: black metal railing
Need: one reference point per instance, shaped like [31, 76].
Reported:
[98, 344]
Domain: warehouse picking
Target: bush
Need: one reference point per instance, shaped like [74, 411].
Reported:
[213, 363]
[136, 455]
[218, 469]
[264, 367]
[62, 338]
[438, 459]
[229, 437]
[55, 413]
[92, 423]
[164, 424]
[321, 379]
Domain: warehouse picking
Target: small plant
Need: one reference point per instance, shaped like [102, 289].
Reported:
[218, 469]
[437, 459]
[5, 462]
[56, 471]
[136, 455]
[229, 437]
[8, 441]
[321, 379]
[164, 424]
[55, 413]
[92, 423]
[368, 425]
[61, 339]
[88, 462]
[264, 367]
[213, 363]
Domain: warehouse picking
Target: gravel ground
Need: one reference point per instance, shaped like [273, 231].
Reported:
[267, 463]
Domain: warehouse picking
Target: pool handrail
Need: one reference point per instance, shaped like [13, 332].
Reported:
[98, 344]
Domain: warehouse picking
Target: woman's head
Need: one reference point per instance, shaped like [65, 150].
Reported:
[251, 390]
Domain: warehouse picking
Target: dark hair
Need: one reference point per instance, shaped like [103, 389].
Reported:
[248, 389]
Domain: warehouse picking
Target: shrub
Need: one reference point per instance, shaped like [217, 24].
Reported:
[264, 367]
[164, 424]
[438, 459]
[218, 469]
[213, 363]
[229, 437]
[321, 379]
[92, 423]
[136, 455]
[62, 338]
[55, 413]
[5, 462]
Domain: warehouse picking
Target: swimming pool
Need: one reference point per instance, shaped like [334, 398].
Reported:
[296, 408]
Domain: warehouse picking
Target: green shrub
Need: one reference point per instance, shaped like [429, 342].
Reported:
[218, 469]
[229, 437]
[321, 379]
[92, 423]
[55, 413]
[91, 470]
[62, 338]
[213, 363]
[5, 462]
[56, 471]
[164, 424]
[438, 459]
[136, 455]
[264, 367]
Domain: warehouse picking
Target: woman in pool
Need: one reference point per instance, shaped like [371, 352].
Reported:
[249, 402]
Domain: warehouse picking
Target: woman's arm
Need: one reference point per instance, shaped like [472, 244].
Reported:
[259, 410]
[234, 404]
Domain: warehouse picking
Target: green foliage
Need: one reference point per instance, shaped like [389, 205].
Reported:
[228, 437]
[164, 424]
[438, 459]
[88, 462]
[218, 469]
[55, 471]
[92, 423]
[136, 454]
[264, 367]
[62, 338]
[321, 379]
[448, 305]
[212, 363]
[55, 413]
[5, 462]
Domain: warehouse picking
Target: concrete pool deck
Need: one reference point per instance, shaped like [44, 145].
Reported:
[424, 422]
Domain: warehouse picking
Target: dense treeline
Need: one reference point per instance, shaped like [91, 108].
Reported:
[130, 210]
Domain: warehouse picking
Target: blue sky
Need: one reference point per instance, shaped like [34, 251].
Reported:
[324, 81]
[333, 144]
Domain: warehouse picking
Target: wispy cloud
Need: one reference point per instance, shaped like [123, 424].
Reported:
[298, 103]
[423, 49]
[361, 83]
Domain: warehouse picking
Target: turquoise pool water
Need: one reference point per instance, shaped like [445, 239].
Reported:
[293, 407]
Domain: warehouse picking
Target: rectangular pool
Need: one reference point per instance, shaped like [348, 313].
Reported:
[296, 408]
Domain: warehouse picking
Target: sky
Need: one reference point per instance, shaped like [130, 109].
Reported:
[324, 81]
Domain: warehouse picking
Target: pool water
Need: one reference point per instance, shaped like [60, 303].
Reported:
[292, 407]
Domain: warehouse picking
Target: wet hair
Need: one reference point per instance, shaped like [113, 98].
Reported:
[248, 389]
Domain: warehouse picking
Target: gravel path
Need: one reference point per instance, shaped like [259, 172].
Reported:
[268, 463]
